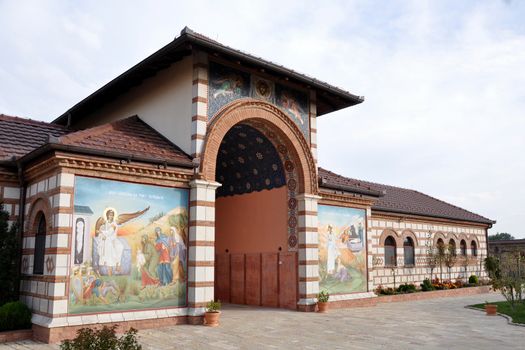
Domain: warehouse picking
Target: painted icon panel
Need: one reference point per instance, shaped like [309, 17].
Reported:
[342, 249]
[295, 104]
[128, 246]
[226, 85]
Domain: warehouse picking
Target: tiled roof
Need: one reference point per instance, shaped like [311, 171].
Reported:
[20, 136]
[130, 136]
[401, 200]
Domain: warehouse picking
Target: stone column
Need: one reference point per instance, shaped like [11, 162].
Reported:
[308, 252]
[201, 254]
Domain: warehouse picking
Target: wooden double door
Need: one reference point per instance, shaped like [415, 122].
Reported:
[261, 279]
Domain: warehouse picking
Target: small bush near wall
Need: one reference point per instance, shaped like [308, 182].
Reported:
[9, 254]
[406, 288]
[14, 315]
[102, 339]
[473, 279]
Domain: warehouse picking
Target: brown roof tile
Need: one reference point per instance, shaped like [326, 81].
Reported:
[130, 136]
[401, 200]
[19, 136]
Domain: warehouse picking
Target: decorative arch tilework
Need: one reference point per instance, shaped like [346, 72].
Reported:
[248, 162]
[227, 84]
[291, 176]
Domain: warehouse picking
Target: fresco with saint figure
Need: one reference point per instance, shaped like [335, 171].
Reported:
[129, 246]
[342, 249]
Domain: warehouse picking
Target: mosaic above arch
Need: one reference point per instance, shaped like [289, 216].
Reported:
[227, 84]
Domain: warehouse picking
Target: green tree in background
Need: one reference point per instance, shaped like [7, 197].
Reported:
[8, 258]
[501, 236]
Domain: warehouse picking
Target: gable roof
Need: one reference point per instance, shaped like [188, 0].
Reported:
[329, 98]
[400, 200]
[129, 137]
[20, 136]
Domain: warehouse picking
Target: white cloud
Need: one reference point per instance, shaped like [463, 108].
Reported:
[443, 80]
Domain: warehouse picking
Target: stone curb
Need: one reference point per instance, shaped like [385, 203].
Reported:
[509, 319]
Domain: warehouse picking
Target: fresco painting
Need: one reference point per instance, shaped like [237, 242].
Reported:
[130, 246]
[342, 249]
[226, 85]
[295, 104]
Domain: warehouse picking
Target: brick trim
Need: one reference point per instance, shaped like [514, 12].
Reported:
[250, 109]
[199, 99]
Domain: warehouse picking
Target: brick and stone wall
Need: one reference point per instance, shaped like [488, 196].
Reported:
[424, 233]
[46, 294]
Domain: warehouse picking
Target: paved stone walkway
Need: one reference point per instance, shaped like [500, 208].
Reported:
[427, 324]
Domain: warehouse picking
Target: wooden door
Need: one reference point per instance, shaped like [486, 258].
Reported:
[222, 277]
[288, 280]
[237, 278]
[269, 279]
[266, 279]
[253, 279]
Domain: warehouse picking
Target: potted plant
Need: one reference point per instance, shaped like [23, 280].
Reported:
[491, 309]
[211, 316]
[322, 301]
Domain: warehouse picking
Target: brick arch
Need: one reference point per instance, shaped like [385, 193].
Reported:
[39, 205]
[411, 234]
[249, 110]
[439, 235]
[394, 234]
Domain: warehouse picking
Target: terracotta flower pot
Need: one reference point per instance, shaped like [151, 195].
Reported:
[211, 319]
[322, 306]
[491, 309]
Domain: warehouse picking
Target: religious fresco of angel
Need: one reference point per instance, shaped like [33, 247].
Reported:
[226, 85]
[130, 246]
[295, 104]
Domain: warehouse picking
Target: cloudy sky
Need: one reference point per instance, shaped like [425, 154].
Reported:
[444, 81]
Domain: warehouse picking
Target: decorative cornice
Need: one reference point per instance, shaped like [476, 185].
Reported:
[338, 198]
[425, 219]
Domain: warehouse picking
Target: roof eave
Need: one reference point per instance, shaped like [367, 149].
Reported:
[93, 152]
[350, 189]
[183, 45]
[407, 212]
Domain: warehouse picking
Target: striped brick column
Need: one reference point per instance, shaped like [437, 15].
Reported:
[201, 255]
[199, 106]
[313, 126]
[308, 252]
[46, 294]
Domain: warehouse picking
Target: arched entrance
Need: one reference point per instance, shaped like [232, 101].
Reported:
[265, 231]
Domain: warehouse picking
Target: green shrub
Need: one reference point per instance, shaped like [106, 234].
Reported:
[14, 315]
[102, 339]
[9, 255]
[213, 306]
[323, 296]
[406, 288]
[380, 290]
[473, 279]
[427, 286]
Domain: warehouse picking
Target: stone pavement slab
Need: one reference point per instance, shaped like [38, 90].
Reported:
[428, 324]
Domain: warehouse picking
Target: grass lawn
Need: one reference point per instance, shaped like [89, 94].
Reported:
[518, 315]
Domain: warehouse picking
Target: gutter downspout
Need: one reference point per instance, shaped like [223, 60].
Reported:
[21, 219]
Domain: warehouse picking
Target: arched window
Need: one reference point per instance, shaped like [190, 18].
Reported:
[452, 246]
[40, 245]
[474, 248]
[390, 251]
[408, 249]
[463, 247]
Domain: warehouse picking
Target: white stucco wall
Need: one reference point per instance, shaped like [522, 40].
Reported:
[163, 102]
